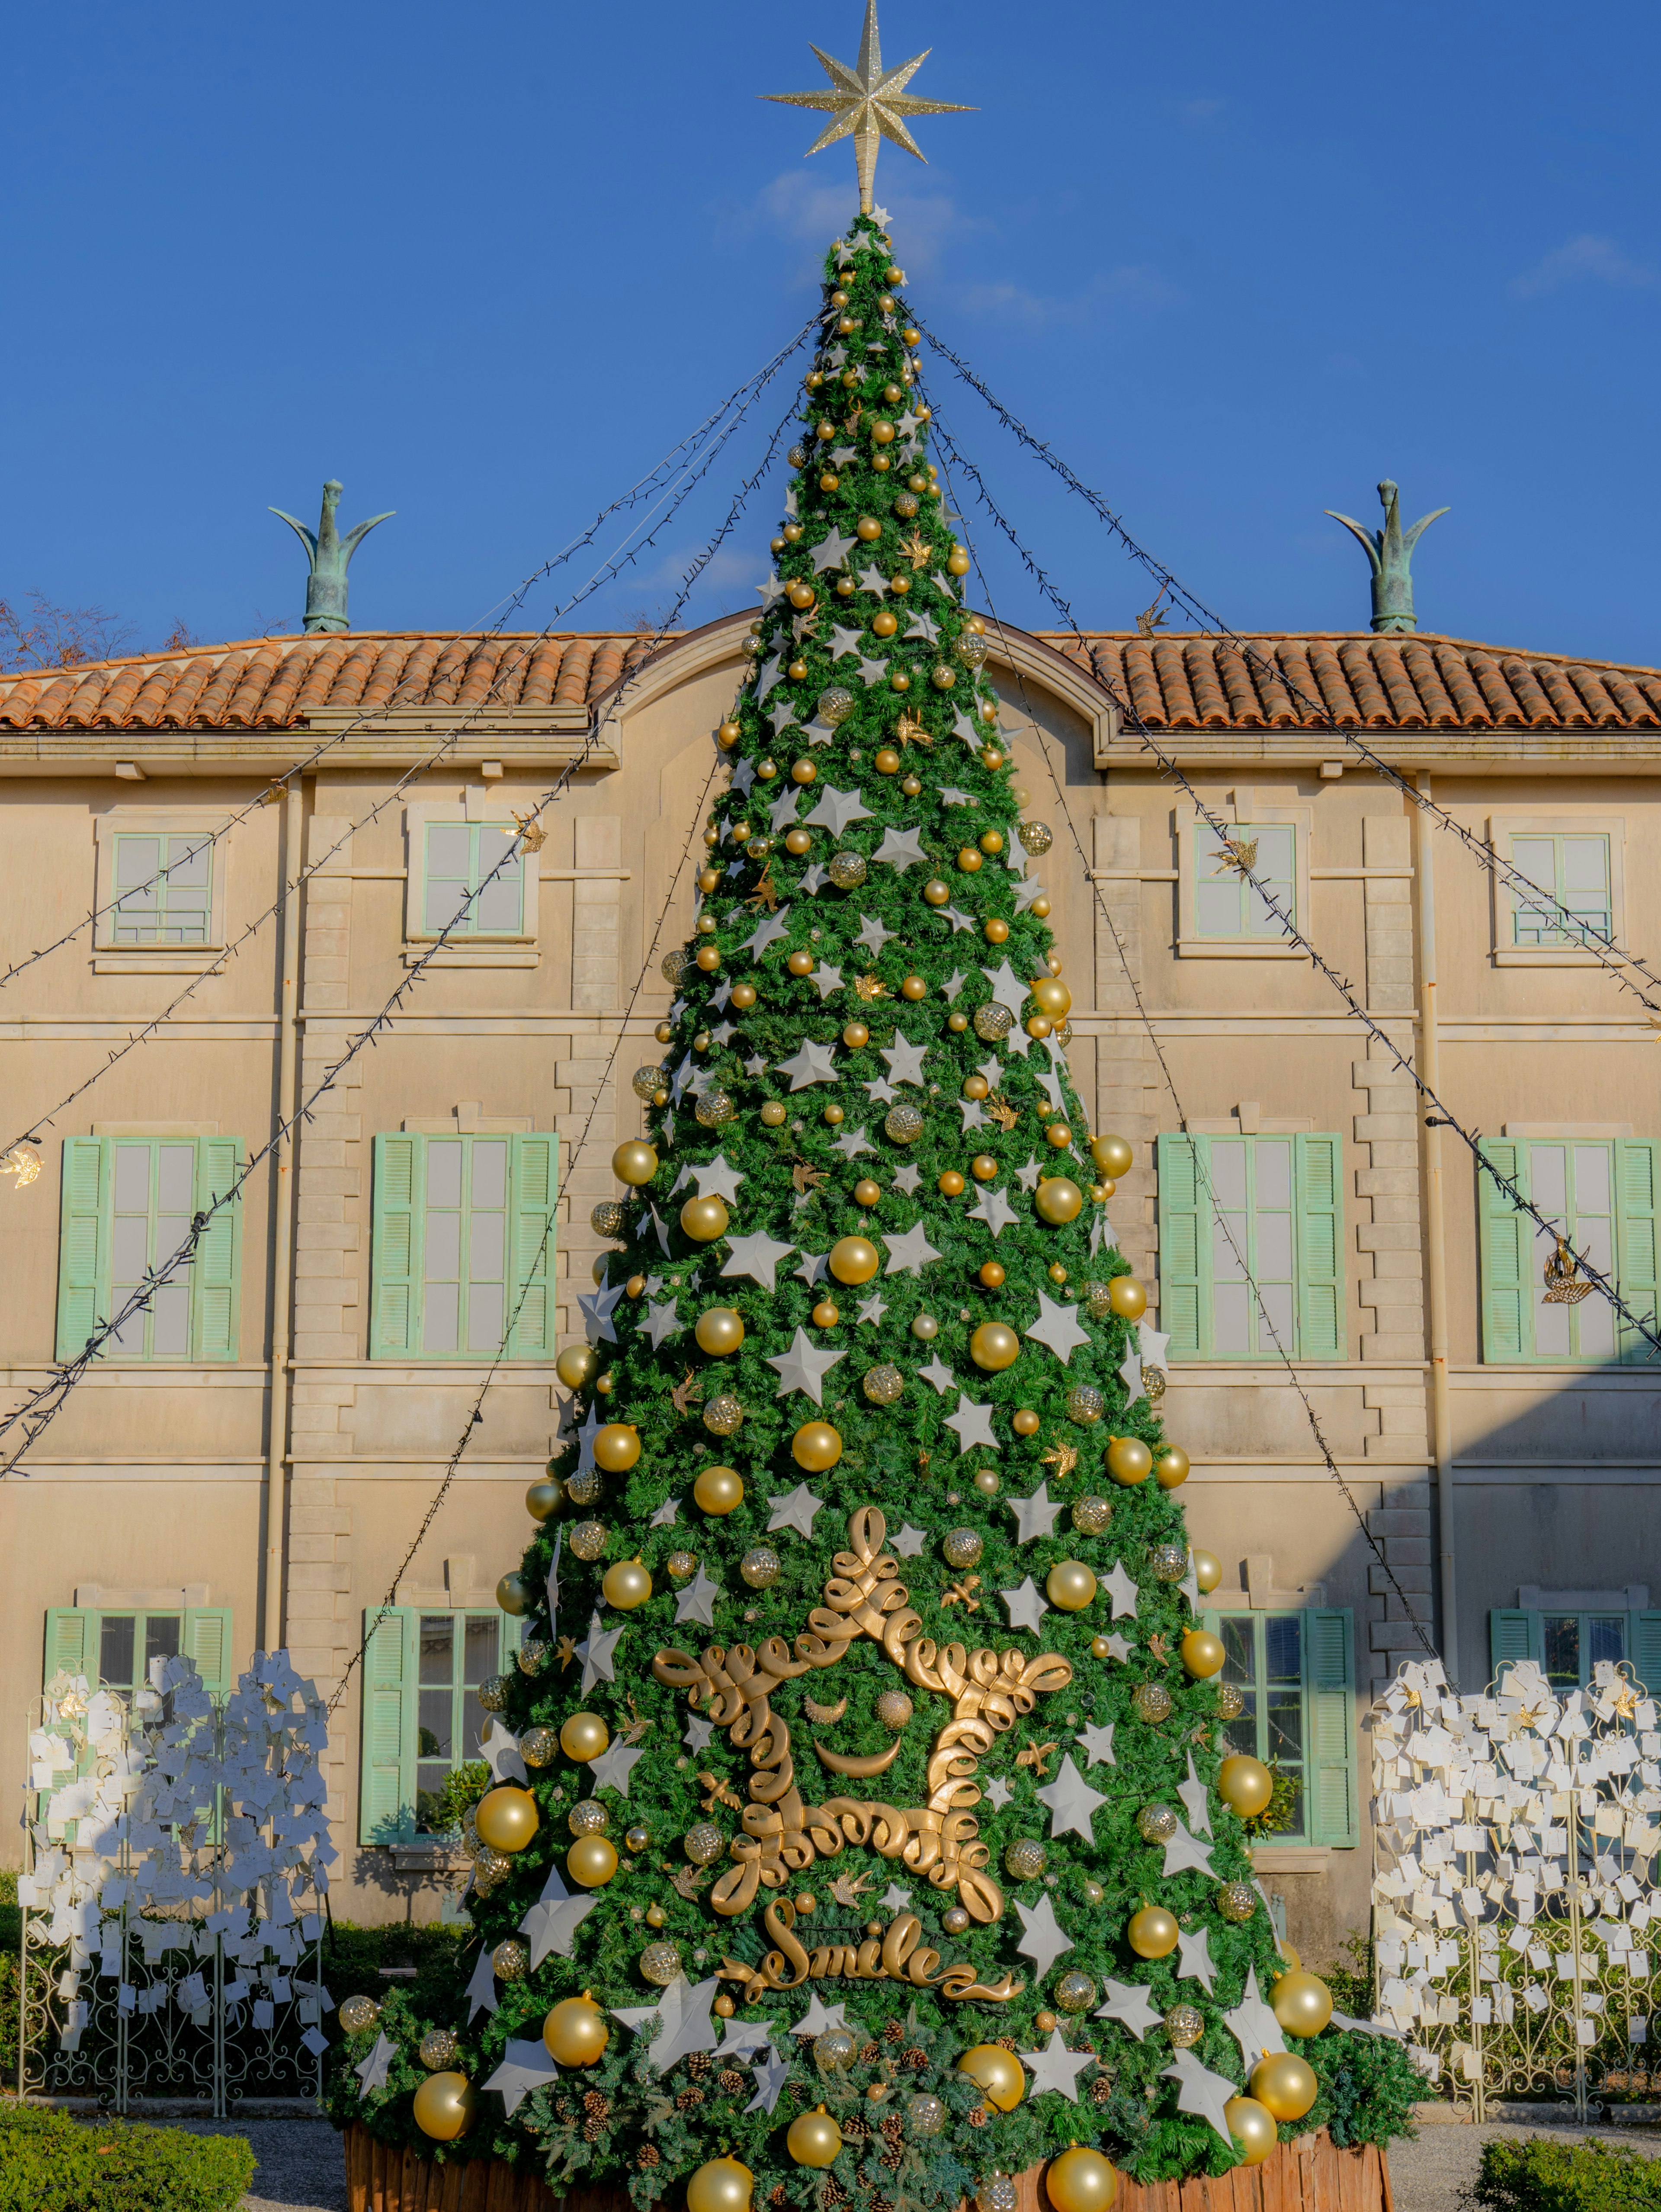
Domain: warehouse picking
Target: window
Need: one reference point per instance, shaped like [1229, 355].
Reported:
[1599, 1194]
[421, 1716]
[1568, 1645]
[161, 887]
[1577, 866]
[1223, 914]
[1269, 1205]
[462, 1226]
[462, 877]
[1296, 1672]
[127, 1207]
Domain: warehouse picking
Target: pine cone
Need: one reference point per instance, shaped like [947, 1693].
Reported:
[593, 2130]
[687, 2098]
[596, 2106]
[648, 2157]
[977, 2116]
[916, 2060]
[730, 2080]
[776, 2194]
[698, 2064]
[855, 2131]
[1101, 2089]
[892, 2157]
[893, 2033]
[868, 2055]
[893, 2127]
[833, 2193]
[881, 2203]
[1006, 2043]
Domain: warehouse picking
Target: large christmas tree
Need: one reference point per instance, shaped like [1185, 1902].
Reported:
[865, 1825]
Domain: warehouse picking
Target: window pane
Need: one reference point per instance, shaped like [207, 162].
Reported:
[485, 1247]
[161, 1638]
[1239, 1665]
[473, 1717]
[1594, 1323]
[486, 1316]
[1283, 1647]
[1285, 1725]
[132, 1178]
[500, 906]
[1228, 1170]
[437, 1649]
[1272, 1157]
[1591, 1179]
[1549, 1177]
[1292, 1825]
[136, 860]
[489, 1171]
[483, 1642]
[189, 859]
[175, 1178]
[441, 1324]
[1274, 1246]
[130, 1248]
[449, 848]
[115, 1652]
[444, 1171]
[1232, 1305]
[1606, 1638]
[436, 1717]
[170, 1322]
[443, 1259]
[1279, 1335]
[1561, 1633]
[1217, 907]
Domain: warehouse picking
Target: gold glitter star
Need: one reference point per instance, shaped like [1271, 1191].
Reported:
[871, 987]
[917, 549]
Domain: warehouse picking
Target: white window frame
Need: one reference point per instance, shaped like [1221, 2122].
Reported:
[1190, 945]
[1502, 828]
[111, 958]
[480, 806]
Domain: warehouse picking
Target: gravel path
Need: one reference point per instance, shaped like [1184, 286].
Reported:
[1430, 2174]
[300, 2166]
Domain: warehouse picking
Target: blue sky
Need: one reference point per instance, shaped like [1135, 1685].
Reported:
[485, 264]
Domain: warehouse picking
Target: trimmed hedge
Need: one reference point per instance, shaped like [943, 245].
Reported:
[1536, 2174]
[52, 2163]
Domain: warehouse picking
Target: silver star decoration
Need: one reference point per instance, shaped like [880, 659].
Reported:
[812, 1268]
[1128, 2003]
[553, 1922]
[1253, 2025]
[1197, 1801]
[872, 936]
[596, 1652]
[684, 2009]
[1194, 1953]
[836, 810]
[909, 1254]
[1097, 1233]
[1071, 1802]
[1204, 2094]
[481, 1992]
[767, 933]
[851, 1142]
[770, 672]
[1024, 1607]
[782, 716]
[743, 777]
[904, 1060]
[818, 732]
[1052, 1083]
[1096, 1737]
[501, 1753]
[841, 457]
[894, 1899]
[1055, 2067]
[964, 728]
[804, 1368]
[873, 672]
[942, 582]
[871, 1311]
[783, 808]
[922, 625]
[1189, 1587]
[1034, 1515]
[998, 1792]
[813, 879]
[1122, 1591]
[1183, 1853]
[1044, 1939]
[973, 1118]
[826, 981]
[1057, 1326]
[524, 2067]
[880, 1091]
[1028, 1176]
[990, 1071]
[1130, 1374]
[612, 1769]
[698, 1600]
[371, 2072]
[771, 2074]
[714, 1179]
[1117, 1647]
[843, 641]
[1007, 988]
[994, 1209]
[832, 551]
[907, 1540]
[973, 1425]
[873, 580]
[1026, 891]
[901, 848]
[586, 1436]
[951, 796]
[1154, 1345]
[953, 983]
[666, 1515]
[596, 1307]
[957, 918]
[662, 1233]
[939, 1375]
[907, 1178]
[809, 1063]
[757, 1256]
[743, 2039]
[819, 2016]
[796, 1509]
[772, 590]
[696, 1734]
[724, 1033]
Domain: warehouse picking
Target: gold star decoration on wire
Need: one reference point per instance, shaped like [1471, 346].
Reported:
[917, 549]
[532, 835]
[1036, 1756]
[23, 1162]
[960, 1593]
[909, 730]
[868, 104]
[1062, 1457]
[871, 987]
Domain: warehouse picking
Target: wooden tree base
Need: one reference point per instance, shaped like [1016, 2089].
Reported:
[1310, 2175]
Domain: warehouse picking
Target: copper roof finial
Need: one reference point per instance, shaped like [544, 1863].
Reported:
[1390, 552]
[331, 557]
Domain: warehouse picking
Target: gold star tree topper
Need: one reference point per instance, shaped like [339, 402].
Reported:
[868, 105]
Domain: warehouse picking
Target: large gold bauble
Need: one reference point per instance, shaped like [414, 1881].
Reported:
[1172, 1469]
[720, 2185]
[720, 1332]
[995, 1345]
[512, 1594]
[544, 1499]
[444, 2106]
[577, 1365]
[626, 1585]
[704, 1219]
[574, 2033]
[1070, 1586]
[854, 1260]
[1252, 2126]
[506, 1819]
[1058, 1201]
[1112, 1156]
[718, 1490]
[1127, 1298]
[999, 2072]
[1082, 2180]
[814, 2138]
[1208, 1571]
[634, 1163]
[816, 1446]
[1129, 1461]
[1153, 1932]
[1302, 2002]
[617, 1446]
[1051, 996]
[1202, 1653]
[1246, 1784]
[1285, 2085]
[584, 1736]
[593, 1861]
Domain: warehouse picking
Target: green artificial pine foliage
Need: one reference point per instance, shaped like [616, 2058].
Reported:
[850, 1063]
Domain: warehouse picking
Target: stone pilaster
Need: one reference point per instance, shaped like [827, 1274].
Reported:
[1125, 1067]
[597, 917]
[328, 1152]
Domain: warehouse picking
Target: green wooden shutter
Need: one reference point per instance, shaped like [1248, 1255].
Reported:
[207, 1640]
[72, 1634]
[1184, 1247]
[1644, 1648]
[1635, 1245]
[1331, 1790]
[84, 1254]
[216, 1271]
[386, 1808]
[1513, 1634]
[395, 1247]
[1507, 1244]
[533, 1195]
[1320, 1207]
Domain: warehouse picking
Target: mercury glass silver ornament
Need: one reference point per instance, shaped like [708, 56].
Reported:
[1184, 2024]
[906, 506]
[1075, 1992]
[1237, 1900]
[637, 1837]
[925, 2116]
[723, 1415]
[715, 1108]
[1231, 1701]
[537, 1747]
[659, 1964]
[1151, 1701]
[531, 1655]
[761, 1566]
[675, 964]
[971, 648]
[490, 1867]
[588, 1538]
[493, 1693]
[1037, 836]
[1090, 1515]
[584, 1488]
[1168, 1562]
[608, 1219]
[993, 1022]
[510, 1960]
[963, 1547]
[1084, 1404]
[587, 1817]
[358, 2012]
[997, 2193]
[1097, 1301]
[883, 1384]
[847, 871]
[894, 1709]
[1156, 1824]
[904, 1124]
[646, 1081]
[703, 1844]
[834, 2050]
[1026, 1859]
[797, 456]
[681, 1564]
[835, 704]
[437, 2050]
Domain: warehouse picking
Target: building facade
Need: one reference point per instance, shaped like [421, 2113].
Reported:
[252, 1462]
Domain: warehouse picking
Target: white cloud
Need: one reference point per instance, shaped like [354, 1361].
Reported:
[1132, 282]
[1588, 256]
[1197, 112]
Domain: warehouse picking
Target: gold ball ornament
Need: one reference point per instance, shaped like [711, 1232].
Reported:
[577, 1365]
[1246, 1784]
[1202, 1653]
[1237, 1901]
[437, 2050]
[998, 2071]
[509, 1960]
[1051, 996]
[1153, 1932]
[814, 2138]
[626, 1585]
[593, 1861]
[574, 2033]
[634, 1163]
[1171, 1469]
[1075, 1992]
[816, 1446]
[1091, 1515]
[1080, 2181]
[720, 2185]
[1127, 1298]
[704, 1843]
[718, 1490]
[444, 2107]
[894, 1709]
[617, 1446]
[1129, 1461]
[995, 1345]
[1058, 1201]
[1302, 2002]
[537, 1747]
[1112, 1155]
[854, 1260]
[720, 1332]
[507, 1819]
[358, 2012]
[512, 1595]
[1252, 2126]
[544, 1499]
[704, 1219]
[1285, 2085]
[1070, 1586]
[659, 1964]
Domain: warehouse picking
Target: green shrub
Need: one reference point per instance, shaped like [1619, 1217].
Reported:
[9, 2015]
[1536, 2174]
[1352, 1984]
[52, 2163]
[353, 1957]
